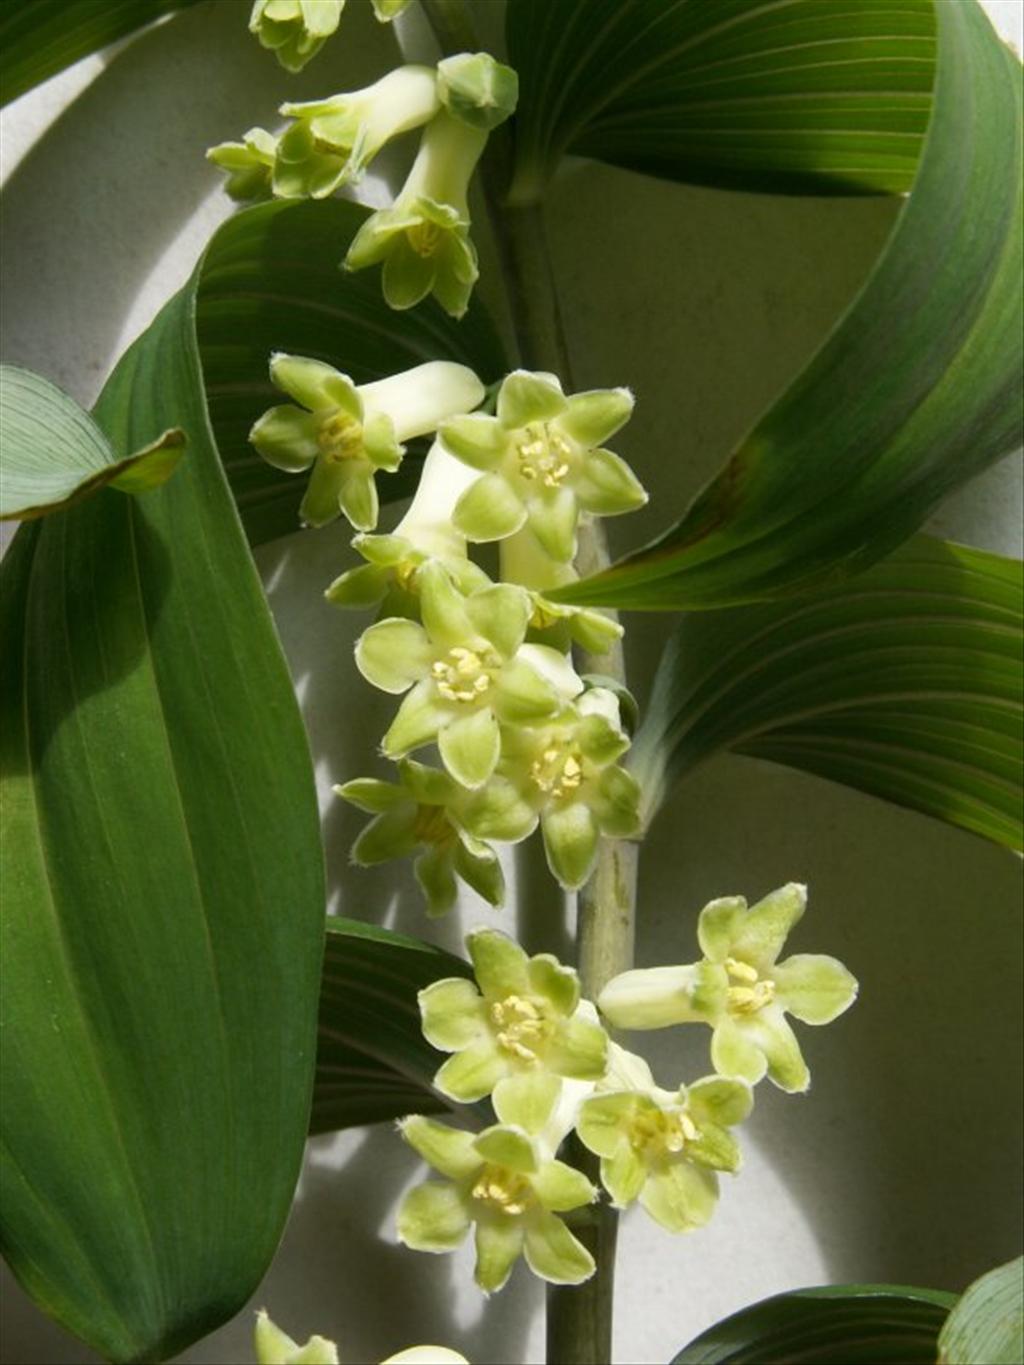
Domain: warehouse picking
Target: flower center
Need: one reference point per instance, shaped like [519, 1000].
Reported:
[432, 825]
[463, 675]
[753, 992]
[520, 1027]
[558, 772]
[424, 238]
[655, 1134]
[504, 1191]
[340, 438]
[543, 454]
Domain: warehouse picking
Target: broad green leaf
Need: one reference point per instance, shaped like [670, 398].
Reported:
[987, 1326]
[270, 281]
[905, 682]
[38, 38]
[52, 452]
[372, 1061]
[916, 391]
[848, 1324]
[163, 894]
[800, 96]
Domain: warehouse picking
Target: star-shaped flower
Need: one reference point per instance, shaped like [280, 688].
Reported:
[468, 668]
[543, 462]
[521, 1025]
[663, 1147]
[502, 1183]
[347, 433]
[741, 989]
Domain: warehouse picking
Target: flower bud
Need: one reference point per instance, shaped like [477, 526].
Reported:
[477, 89]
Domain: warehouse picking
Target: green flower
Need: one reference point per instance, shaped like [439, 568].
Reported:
[386, 10]
[347, 433]
[468, 668]
[502, 1183]
[249, 163]
[295, 30]
[332, 141]
[274, 1347]
[513, 1032]
[741, 989]
[564, 773]
[419, 812]
[478, 90]
[542, 462]
[392, 567]
[664, 1148]
[423, 240]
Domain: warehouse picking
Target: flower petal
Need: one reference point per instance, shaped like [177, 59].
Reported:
[382, 448]
[449, 1150]
[499, 1243]
[393, 654]
[508, 1146]
[433, 1217]
[391, 835]
[570, 842]
[561, 1187]
[721, 1100]
[716, 1148]
[452, 1012]
[497, 811]
[314, 384]
[654, 997]
[526, 1099]
[616, 803]
[417, 400]
[765, 929]
[814, 988]
[363, 586]
[501, 614]
[357, 495]
[604, 1121]
[476, 439]
[489, 509]
[408, 277]
[607, 486]
[470, 747]
[499, 963]
[554, 1254]
[321, 502]
[521, 694]
[559, 985]
[525, 397]
[478, 866]
[735, 1053]
[286, 438]
[681, 1197]
[591, 418]
[623, 1174]
[769, 1031]
[552, 518]
[371, 794]
[555, 667]
[579, 1050]
[469, 1075]
[419, 718]
[718, 926]
[436, 878]
[443, 607]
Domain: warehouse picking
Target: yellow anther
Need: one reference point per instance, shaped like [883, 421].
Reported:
[740, 971]
[506, 1191]
[544, 455]
[749, 999]
[462, 675]
[558, 771]
[656, 1134]
[521, 1027]
[424, 238]
[340, 438]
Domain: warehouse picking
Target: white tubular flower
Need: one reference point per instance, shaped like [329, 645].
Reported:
[426, 1355]
[468, 669]
[423, 240]
[249, 163]
[295, 30]
[347, 433]
[332, 141]
[503, 1183]
[741, 989]
[542, 463]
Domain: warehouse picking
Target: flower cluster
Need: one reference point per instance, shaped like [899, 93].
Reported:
[422, 241]
[522, 1035]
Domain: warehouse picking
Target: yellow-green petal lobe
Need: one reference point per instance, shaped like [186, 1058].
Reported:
[763, 932]
[433, 1217]
[435, 875]
[607, 487]
[499, 963]
[449, 1150]
[286, 437]
[273, 1347]
[470, 746]
[419, 718]
[594, 417]
[680, 1196]
[499, 1242]
[720, 1099]
[527, 397]
[501, 614]
[735, 1053]
[469, 1075]
[561, 1187]
[552, 518]
[554, 1254]
[505, 1145]
[604, 1122]
[814, 988]
[393, 654]
[559, 985]
[527, 1099]
[489, 509]
[769, 1031]
[623, 1174]
[579, 1050]
[718, 926]
[476, 439]
[570, 842]
[452, 1014]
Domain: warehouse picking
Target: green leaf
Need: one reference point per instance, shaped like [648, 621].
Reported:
[163, 894]
[916, 391]
[271, 281]
[987, 1326]
[373, 1062]
[53, 453]
[799, 96]
[905, 682]
[848, 1324]
[38, 38]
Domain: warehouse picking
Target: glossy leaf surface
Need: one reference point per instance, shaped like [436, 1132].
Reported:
[851, 1324]
[800, 96]
[987, 1326]
[163, 894]
[38, 38]
[905, 682]
[916, 391]
[373, 1062]
[52, 453]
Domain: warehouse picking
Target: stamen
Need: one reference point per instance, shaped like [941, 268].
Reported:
[545, 455]
[506, 1191]
[463, 676]
[424, 238]
[340, 438]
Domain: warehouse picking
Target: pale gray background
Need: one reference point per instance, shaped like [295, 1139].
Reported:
[903, 1163]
